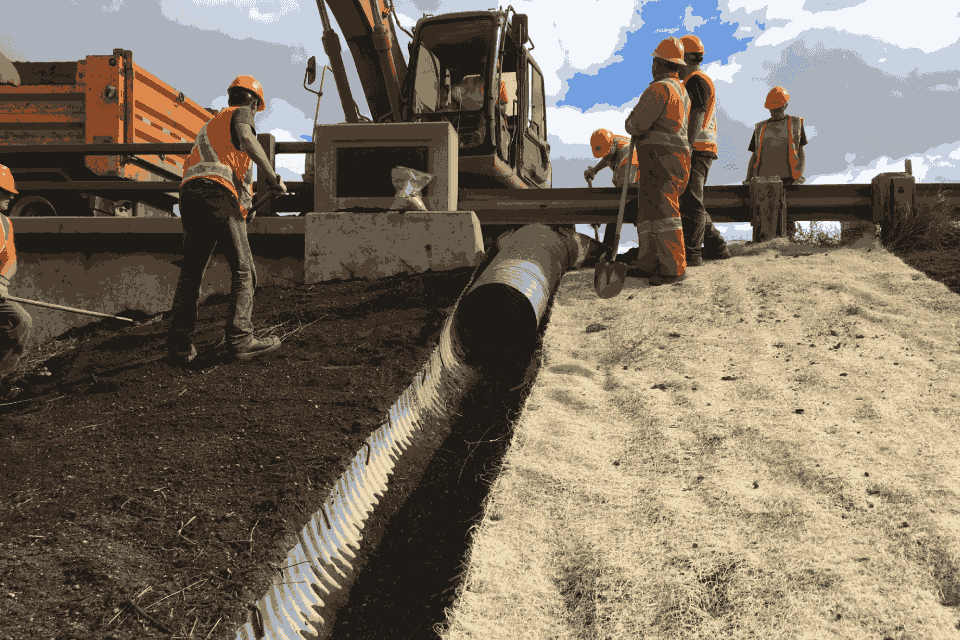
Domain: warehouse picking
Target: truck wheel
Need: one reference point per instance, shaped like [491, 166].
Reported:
[32, 206]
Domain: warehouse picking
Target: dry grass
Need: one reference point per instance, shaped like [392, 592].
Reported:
[768, 450]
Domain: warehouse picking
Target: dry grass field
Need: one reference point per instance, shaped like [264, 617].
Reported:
[769, 449]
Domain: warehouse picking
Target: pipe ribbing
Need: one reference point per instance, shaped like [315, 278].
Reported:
[320, 567]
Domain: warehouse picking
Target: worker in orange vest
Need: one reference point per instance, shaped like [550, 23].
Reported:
[612, 151]
[15, 323]
[215, 192]
[698, 229]
[777, 145]
[659, 121]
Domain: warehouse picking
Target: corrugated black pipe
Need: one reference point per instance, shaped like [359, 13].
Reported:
[498, 317]
[520, 275]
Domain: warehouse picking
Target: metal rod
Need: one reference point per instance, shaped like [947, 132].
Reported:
[331, 46]
[71, 309]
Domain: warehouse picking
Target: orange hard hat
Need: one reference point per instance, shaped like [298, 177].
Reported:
[777, 97]
[691, 44]
[6, 180]
[251, 84]
[670, 49]
[601, 142]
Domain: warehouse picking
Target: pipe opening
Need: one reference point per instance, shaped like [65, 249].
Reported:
[495, 324]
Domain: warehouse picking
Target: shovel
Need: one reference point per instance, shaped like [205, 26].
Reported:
[610, 275]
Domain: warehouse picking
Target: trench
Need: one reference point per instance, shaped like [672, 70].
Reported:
[384, 556]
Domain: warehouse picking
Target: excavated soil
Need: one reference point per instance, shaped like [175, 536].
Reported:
[127, 482]
[143, 499]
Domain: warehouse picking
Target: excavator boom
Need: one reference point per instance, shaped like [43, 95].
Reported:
[370, 35]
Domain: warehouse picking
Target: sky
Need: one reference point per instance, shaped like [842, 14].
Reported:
[871, 78]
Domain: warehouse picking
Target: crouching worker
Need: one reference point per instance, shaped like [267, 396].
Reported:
[660, 121]
[215, 193]
[612, 151]
[15, 323]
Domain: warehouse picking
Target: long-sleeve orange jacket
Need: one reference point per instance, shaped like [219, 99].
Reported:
[8, 254]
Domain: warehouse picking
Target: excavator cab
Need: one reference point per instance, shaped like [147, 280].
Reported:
[473, 70]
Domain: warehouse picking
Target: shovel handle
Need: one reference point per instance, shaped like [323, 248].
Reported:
[623, 199]
[48, 305]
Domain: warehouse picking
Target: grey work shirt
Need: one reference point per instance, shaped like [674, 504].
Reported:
[774, 154]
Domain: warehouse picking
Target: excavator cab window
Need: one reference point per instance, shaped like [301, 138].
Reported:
[451, 66]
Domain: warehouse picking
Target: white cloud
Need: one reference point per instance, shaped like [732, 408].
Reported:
[721, 72]
[115, 6]
[850, 157]
[928, 25]
[574, 127]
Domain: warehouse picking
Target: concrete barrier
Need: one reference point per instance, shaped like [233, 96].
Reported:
[378, 245]
[111, 265]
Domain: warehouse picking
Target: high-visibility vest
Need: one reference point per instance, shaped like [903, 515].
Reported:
[706, 138]
[214, 157]
[8, 254]
[793, 143]
[670, 129]
[621, 145]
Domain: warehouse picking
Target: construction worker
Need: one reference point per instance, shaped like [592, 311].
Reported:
[659, 121]
[777, 145]
[698, 228]
[216, 190]
[612, 151]
[15, 323]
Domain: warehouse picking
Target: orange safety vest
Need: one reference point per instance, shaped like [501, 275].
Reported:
[670, 129]
[8, 254]
[214, 157]
[793, 142]
[706, 138]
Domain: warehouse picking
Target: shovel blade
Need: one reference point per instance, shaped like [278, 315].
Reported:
[608, 278]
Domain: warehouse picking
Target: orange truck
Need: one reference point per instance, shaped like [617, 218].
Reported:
[97, 100]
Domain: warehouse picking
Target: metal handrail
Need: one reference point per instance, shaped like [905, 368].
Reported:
[133, 148]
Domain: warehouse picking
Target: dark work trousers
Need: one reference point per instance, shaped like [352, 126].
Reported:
[15, 326]
[211, 217]
[791, 225]
[698, 229]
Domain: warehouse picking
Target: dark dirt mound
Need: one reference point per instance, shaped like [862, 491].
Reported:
[130, 483]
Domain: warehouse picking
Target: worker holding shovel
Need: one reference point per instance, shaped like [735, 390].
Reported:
[659, 125]
[15, 322]
[215, 197]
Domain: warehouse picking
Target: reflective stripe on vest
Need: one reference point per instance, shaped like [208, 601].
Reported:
[706, 138]
[662, 132]
[5, 223]
[661, 225]
[214, 156]
[793, 144]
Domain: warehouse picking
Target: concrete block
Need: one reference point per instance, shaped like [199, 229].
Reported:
[353, 163]
[378, 245]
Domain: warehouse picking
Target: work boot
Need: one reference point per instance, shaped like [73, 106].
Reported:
[657, 280]
[718, 251]
[254, 348]
[183, 354]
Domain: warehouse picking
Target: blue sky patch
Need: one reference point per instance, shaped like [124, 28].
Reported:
[620, 82]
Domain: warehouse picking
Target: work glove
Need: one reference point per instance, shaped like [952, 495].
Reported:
[277, 184]
[589, 174]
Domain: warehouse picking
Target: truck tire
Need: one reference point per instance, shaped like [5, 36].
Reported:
[32, 206]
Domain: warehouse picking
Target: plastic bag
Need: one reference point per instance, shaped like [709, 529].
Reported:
[409, 183]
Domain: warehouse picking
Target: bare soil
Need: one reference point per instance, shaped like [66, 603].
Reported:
[127, 482]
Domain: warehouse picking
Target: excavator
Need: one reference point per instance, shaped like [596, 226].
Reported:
[471, 68]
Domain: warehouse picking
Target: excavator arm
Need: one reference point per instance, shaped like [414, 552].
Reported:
[369, 31]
